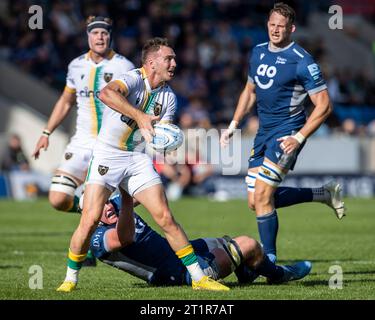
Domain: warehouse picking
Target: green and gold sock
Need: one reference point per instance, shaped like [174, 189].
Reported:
[190, 261]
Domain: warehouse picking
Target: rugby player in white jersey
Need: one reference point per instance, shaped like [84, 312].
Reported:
[136, 101]
[87, 75]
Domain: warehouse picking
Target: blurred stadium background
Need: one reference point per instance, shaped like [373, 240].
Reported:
[212, 39]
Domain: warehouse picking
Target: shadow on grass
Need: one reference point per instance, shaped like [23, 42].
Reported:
[10, 267]
[36, 234]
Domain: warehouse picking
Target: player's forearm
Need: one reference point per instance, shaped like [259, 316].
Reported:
[59, 113]
[116, 101]
[245, 103]
[316, 119]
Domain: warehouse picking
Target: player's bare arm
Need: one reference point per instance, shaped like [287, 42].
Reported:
[114, 96]
[323, 108]
[60, 111]
[245, 103]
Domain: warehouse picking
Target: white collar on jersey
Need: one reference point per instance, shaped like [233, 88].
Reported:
[279, 49]
[109, 56]
[148, 86]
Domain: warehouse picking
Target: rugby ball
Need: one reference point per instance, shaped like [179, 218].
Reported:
[168, 137]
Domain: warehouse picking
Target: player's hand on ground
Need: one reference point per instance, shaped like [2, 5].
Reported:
[288, 144]
[145, 123]
[42, 143]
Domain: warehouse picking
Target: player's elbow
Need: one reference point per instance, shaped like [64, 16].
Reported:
[329, 108]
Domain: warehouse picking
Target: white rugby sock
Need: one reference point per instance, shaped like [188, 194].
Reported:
[71, 275]
[195, 271]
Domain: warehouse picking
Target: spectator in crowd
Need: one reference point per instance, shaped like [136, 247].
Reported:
[14, 158]
[212, 38]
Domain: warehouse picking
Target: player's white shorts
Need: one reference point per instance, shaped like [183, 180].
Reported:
[75, 160]
[111, 167]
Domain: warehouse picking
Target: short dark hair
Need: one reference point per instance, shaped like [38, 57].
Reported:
[153, 45]
[285, 10]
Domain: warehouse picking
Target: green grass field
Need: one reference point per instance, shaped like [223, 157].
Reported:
[32, 233]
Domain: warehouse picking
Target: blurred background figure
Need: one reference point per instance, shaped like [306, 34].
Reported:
[14, 158]
[26, 184]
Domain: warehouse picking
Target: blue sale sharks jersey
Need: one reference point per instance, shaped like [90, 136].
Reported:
[283, 79]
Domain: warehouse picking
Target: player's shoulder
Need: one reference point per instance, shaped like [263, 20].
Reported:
[78, 61]
[167, 88]
[123, 61]
[300, 54]
[260, 47]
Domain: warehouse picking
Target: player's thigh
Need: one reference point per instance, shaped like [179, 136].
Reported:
[154, 200]
[270, 175]
[108, 167]
[275, 154]
[140, 175]
[95, 196]
[250, 183]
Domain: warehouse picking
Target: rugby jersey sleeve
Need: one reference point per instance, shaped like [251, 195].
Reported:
[70, 81]
[128, 81]
[310, 76]
[169, 114]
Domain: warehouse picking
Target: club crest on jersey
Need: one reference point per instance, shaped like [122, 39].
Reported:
[68, 155]
[102, 170]
[108, 76]
[157, 109]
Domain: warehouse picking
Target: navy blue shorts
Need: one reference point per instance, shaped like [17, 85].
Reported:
[267, 146]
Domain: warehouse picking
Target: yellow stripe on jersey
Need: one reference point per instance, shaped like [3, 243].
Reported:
[122, 86]
[94, 123]
[70, 90]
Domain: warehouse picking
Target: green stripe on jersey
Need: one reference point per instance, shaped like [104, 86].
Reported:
[129, 141]
[99, 106]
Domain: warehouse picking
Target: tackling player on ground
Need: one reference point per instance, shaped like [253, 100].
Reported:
[151, 259]
[281, 75]
[135, 101]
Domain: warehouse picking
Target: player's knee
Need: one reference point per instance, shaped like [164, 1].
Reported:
[262, 197]
[251, 203]
[166, 221]
[60, 201]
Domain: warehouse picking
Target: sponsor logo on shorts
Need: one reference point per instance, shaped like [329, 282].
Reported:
[102, 170]
[68, 155]
[266, 172]
[108, 76]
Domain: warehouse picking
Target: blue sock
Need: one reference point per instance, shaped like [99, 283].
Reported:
[286, 196]
[269, 270]
[268, 226]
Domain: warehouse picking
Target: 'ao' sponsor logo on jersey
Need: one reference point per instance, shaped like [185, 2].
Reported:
[265, 70]
[87, 93]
